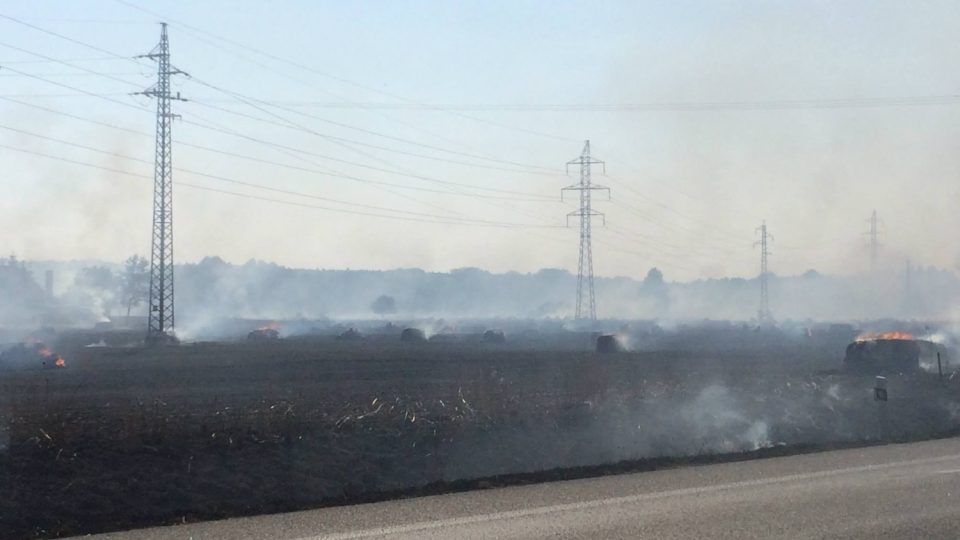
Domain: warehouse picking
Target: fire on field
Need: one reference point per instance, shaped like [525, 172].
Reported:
[267, 332]
[31, 354]
[893, 352]
[226, 429]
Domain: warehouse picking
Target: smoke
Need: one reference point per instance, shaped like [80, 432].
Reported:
[715, 420]
[682, 419]
[692, 416]
[213, 290]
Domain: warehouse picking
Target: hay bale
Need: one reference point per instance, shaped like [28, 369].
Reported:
[351, 334]
[263, 334]
[883, 355]
[494, 336]
[412, 335]
[608, 343]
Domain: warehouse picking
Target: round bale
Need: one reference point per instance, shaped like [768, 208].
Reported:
[412, 335]
[608, 343]
[494, 336]
[351, 334]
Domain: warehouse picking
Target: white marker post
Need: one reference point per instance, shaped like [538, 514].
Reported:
[880, 396]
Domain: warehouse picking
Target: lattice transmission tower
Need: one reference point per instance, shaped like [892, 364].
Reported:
[874, 234]
[586, 298]
[160, 324]
[763, 315]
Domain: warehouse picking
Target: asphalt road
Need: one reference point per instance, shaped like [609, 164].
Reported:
[895, 491]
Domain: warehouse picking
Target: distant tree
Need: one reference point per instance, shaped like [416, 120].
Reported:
[654, 278]
[384, 305]
[96, 286]
[655, 290]
[136, 282]
[22, 297]
[96, 277]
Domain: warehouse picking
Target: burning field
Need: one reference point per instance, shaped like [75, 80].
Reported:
[129, 437]
[31, 354]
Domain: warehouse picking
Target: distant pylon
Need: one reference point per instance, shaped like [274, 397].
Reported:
[160, 323]
[907, 290]
[586, 298]
[764, 315]
[873, 233]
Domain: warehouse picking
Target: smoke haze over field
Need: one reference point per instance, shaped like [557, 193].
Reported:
[711, 117]
[213, 290]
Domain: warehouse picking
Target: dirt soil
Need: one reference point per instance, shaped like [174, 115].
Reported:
[130, 437]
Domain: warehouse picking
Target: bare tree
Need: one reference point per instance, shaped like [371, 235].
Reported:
[384, 305]
[136, 282]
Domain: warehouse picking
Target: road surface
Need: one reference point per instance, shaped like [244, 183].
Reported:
[894, 491]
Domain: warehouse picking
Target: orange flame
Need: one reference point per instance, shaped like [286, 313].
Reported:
[873, 336]
[271, 326]
[47, 353]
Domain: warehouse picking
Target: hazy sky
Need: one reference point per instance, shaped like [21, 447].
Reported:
[456, 118]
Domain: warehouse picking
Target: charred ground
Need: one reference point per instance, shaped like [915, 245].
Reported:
[128, 436]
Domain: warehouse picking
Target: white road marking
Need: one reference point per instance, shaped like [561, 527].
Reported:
[585, 505]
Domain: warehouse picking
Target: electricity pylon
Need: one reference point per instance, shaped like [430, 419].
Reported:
[586, 298]
[160, 323]
[763, 315]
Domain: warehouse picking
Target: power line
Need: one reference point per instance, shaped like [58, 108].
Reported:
[405, 214]
[45, 57]
[690, 106]
[125, 104]
[182, 170]
[527, 196]
[302, 158]
[709, 226]
[654, 257]
[76, 89]
[288, 124]
[70, 39]
[274, 163]
[71, 74]
[294, 126]
[522, 228]
[341, 79]
[271, 69]
[719, 240]
[90, 21]
[33, 95]
[519, 227]
[247, 98]
[72, 60]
